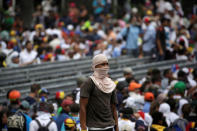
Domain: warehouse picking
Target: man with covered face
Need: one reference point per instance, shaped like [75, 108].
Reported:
[98, 99]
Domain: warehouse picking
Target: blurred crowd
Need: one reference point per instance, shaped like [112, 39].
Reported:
[158, 29]
[161, 101]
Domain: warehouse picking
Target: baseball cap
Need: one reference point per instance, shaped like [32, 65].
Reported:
[146, 20]
[179, 87]
[133, 86]
[127, 70]
[13, 95]
[43, 90]
[149, 96]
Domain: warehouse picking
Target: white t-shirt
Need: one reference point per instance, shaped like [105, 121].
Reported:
[126, 125]
[26, 56]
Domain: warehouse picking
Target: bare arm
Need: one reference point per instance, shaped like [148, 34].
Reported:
[83, 104]
[114, 111]
[158, 41]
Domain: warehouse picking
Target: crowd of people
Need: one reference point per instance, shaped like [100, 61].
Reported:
[160, 101]
[157, 29]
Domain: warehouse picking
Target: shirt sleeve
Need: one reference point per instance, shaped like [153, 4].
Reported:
[114, 98]
[86, 88]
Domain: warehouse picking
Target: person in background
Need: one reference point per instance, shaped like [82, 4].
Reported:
[43, 119]
[64, 113]
[148, 97]
[28, 55]
[33, 95]
[132, 32]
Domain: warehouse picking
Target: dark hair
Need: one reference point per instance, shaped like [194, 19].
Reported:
[153, 107]
[155, 79]
[163, 20]
[75, 108]
[186, 109]
[181, 74]
[157, 117]
[127, 112]
[27, 42]
[35, 87]
[165, 72]
[172, 104]
[156, 72]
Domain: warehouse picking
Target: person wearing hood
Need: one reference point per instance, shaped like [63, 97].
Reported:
[170, 116]
[98, 99]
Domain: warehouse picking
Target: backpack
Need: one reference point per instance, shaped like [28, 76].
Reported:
[43, 128]
[17, 121]
[178, 125]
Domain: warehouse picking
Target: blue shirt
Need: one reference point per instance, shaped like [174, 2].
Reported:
[147, 107]
[132, 36]
[60, 120]
[149, 39]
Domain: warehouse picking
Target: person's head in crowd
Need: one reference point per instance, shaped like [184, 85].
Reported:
[14, 97]
[145, 86]
[158, 118]
[14, 59]
[140, 125]
[182, 76]
[164, 108]
[133, 20]
[44, 107]
[59, 96]
[74, 109]
[171, 94]
[161, 97]
[29, 46]
[186, 110]
[164, 22]
[180, 105]
[155, 72]
[43, 93]
[126, 113]
[147, 21]
[66, 103]
[80, 80]
[128, 74]
[156, 80]
[25, 106]
[69, 97]
[122, 88]
[179, 89]
[134, 87]
[168, 74]
[154, 107]
[149, 96]
[34, 90]
[172, 104]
